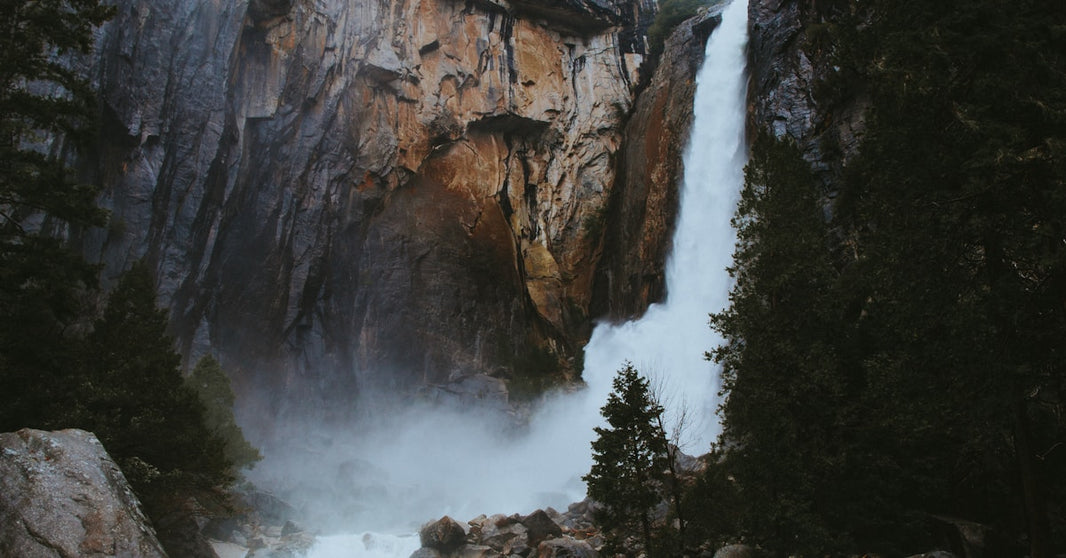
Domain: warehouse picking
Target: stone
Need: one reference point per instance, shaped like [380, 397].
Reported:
[268, 507]
[426, 553]
[444, 535]
[180, 533]
[221, 528]
[566, 547]
[62, 495]
[540, 527]
[501, 533]
[737, 551]
[475, 551]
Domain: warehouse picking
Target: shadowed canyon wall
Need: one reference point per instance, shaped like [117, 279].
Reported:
[786, 67]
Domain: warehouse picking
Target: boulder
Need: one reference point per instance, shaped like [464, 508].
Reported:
[179, 531]
[737, 551]
[540, 527]
[566, 547]
[476, 551]
[62, 495]
[444, 535]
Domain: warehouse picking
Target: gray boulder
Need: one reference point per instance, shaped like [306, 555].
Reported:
[444, 535]
[540, 527]
[62, 495]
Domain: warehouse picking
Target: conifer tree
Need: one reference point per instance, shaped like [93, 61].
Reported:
[932, 349]
[786, 397]
[46, 113]
[135, 399]
[629, 457]
[212, 386]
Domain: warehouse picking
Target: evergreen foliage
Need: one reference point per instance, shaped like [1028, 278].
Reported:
[787, 408]
[910, 367]
[212, 386]
[135, 400]
[41, 281]
[629, 458]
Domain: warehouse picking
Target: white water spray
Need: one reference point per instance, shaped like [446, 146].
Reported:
[435, 464]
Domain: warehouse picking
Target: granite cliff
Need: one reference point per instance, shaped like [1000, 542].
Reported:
[786, 66]
[338, 195]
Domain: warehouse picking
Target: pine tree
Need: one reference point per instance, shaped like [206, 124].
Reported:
[212, 386]
[953, 203]
[135, 399]
[629, 457]
[923, 372]
[46, 113]
[786, 407]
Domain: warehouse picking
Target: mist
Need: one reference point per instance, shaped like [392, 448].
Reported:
[368, 486]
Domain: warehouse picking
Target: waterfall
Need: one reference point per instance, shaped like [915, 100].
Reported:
[668, 343]
[441, 464]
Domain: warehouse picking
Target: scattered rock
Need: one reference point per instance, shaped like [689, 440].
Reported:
[62, 495]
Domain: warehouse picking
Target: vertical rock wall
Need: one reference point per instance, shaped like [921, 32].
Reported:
[785, 68]
[339, 194]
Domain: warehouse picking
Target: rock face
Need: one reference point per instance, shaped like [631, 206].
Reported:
[62, 495]
[640, 219]
[344, 194]
[784, 69]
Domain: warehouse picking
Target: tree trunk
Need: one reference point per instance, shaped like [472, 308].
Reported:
[1032, 490]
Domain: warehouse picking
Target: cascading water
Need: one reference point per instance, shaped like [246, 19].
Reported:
[443, 464]
[668, 343]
